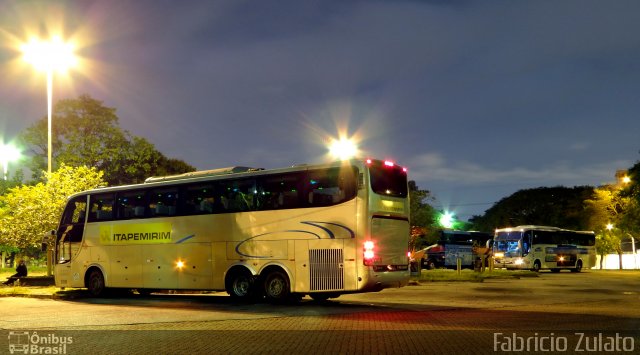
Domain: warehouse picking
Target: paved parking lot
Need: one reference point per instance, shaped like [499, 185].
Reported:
[442, 317]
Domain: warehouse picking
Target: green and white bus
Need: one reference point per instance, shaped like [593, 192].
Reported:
[541, 247]
[318, 230]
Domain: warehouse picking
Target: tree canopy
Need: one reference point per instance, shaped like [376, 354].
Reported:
[28, 212]
[86, 133]
[422, 216]
[552, 206]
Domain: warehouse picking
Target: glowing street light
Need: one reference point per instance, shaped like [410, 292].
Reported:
[626, 180]
[447, 220]
[343, 149]
[609, 227]
[8, 153]
[51, 56]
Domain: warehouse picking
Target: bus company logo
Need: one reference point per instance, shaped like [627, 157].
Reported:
[22, 342]
[140, 233]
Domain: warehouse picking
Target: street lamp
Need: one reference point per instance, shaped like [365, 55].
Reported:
[8, 153]
[50, 56]
[343, 149]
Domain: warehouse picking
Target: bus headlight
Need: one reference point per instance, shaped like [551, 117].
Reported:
[519, 261]
[499, 254]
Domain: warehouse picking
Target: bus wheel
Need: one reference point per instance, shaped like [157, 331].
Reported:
[240, 284]
[95, 283]
[578, 267]
[276, 287]
[536, 266]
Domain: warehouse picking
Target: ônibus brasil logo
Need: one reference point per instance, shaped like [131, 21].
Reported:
[22, 342]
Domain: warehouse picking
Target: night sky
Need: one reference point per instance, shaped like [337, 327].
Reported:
[477, 98]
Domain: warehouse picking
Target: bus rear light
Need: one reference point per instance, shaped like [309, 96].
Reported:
[369, 254]
[369, 161]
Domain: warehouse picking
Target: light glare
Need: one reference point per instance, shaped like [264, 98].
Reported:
[49, 56]
[343, 149]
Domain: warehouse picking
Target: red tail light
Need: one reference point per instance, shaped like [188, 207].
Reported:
[369, 254]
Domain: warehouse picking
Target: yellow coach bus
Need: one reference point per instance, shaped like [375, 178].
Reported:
[279, 234]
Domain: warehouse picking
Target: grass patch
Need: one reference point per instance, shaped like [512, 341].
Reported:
[28, 291]
[470, 275]
[33, 271]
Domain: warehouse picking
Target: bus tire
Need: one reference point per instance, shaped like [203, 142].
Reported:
[536, 266]
[276, 287]
[241, 285]
[95, 283]
[578, 267]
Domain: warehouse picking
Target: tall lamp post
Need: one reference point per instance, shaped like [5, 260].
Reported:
[49, 56]
[8, 153]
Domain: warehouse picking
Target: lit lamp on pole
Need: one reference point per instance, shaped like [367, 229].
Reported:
[8, 153]
[48, 57]
[343, 149]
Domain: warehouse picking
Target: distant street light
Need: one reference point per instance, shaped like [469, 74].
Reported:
[8, 153]
[609, 227]
[447, 220]
[626, 180]
[51, 56]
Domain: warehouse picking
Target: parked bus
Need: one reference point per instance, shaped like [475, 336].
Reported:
[320, 230]
[540, 247]
[453, 245]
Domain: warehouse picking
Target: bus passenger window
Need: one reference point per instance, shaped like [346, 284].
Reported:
[331, 186]
[238, 195]
[131, 204]
[162, 202]
[278, 191]
[101, 208]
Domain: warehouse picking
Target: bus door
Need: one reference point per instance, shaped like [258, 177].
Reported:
[71, 229]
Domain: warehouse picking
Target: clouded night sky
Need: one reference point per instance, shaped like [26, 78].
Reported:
[477, 98]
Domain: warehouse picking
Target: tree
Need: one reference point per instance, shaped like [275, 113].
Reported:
[552, 206]
[606, 209]
[28, 212]
[422, 216]
[86, 133]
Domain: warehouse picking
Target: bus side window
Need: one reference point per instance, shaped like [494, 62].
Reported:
[327, 187]
[199, 199]
[278, 191]
[162, 202]
[101, 207]
[238, 195]
[131, 204]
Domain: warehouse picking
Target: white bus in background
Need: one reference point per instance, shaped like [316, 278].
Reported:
[540, 247]
[320, 230]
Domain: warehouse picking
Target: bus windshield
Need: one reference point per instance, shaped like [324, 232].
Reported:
[508, 242]
[388, 179]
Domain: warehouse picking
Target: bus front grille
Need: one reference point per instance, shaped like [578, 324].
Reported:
[326, 268]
